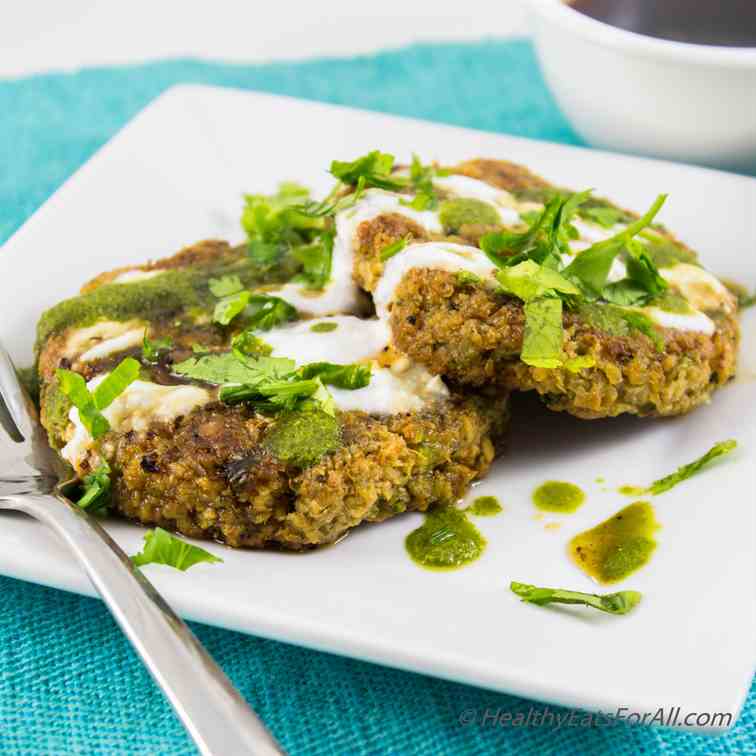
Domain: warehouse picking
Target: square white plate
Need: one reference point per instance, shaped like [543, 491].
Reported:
[176, 173]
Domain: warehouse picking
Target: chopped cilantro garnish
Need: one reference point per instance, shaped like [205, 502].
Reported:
[590, 269]
[394, 248]
[605, 215]
[543, 242]
[316, 262]
[540, 288]
[421, 180]
[96, 496]
[686, 471]
[161, 547]
[272, 383]
[247, 344]
[91, 404]
[225, 286]
[274, 223]
[528, 280]
[262, 311]
[227, 368]
[229, 307]
[151, 348]
[621, 602]
[374, 169]
[542, 341]
[342, 376]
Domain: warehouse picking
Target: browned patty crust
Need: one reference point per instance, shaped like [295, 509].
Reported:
[209, 474]
[473, 336]
[214, 473]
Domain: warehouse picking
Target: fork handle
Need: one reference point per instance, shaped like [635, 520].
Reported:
[217, 718]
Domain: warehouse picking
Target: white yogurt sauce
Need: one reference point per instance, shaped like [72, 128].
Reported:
[702, 290]
[134, 409]
[693, 321]
[112, 346]
[435, 255]
[401, 388]
[353, 340]
[97, 340]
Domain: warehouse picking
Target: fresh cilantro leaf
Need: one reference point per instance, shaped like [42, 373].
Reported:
[117, 381]
[229, 307]
[590, 268]
[266, 312]
[151, 348]
[262, 311]
[271, 395]
[625, 293]
[542, 341]
[91, 404]
[316, 260]
[605, 215]
[581, 362]
[686, 471]
[96, 496]
[75, 388]
[394, 248]
[342, 376]
[226, 368]
[374, 169]
[161, 547]
[246, 344]
[543, 242]
[528, 280]
[421, 180]
[333, 204]
[225, 286]
[621, 602]
[274, 223]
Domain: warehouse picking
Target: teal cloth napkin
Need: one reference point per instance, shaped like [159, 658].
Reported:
[69, 682]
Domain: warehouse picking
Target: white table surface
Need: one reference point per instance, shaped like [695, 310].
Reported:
[47, 35]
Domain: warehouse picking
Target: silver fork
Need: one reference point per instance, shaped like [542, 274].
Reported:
[211, 709]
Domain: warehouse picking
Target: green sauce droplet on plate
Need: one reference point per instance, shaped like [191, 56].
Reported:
[485, 506]
[446, 540]
[618, 546]
[324, 327]
[558, 496]
[631, 490]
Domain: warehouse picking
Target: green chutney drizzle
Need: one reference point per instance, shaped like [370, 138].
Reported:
[558, 496]
[484, 506]
[631, 490]
[446, 540]
[618, 546]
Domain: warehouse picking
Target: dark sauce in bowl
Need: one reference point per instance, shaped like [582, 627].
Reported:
[725, 23]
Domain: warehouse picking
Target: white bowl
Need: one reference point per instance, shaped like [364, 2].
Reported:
[638, 94]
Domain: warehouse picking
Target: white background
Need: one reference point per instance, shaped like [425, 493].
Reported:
[45, 35]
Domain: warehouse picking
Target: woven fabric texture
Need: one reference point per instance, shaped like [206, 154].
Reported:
[69, 682]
